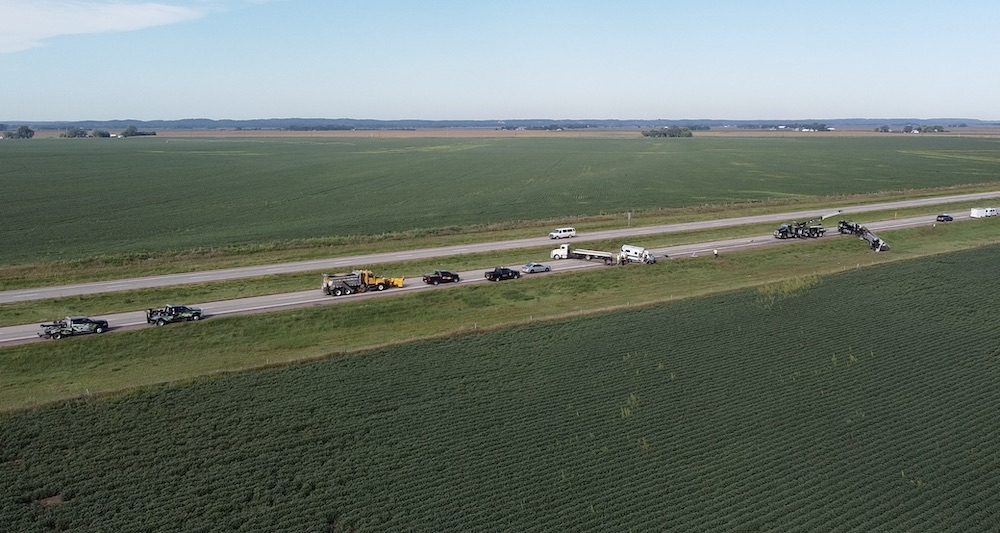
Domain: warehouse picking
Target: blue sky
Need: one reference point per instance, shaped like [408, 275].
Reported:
[691, 59]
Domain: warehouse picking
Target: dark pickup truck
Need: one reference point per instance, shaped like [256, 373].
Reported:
[440, 276]
[500, 273]
[172, 313]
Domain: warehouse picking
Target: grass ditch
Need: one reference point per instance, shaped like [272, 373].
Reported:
[41, 373]
[111, 267]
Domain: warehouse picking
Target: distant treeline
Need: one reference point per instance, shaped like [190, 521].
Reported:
[671, 131]
[319, 127]
[131, 131]
[329, 124]
[812, 126]
[914, 129]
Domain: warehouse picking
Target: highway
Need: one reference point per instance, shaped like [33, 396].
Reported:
[342, 263]
[137, 319]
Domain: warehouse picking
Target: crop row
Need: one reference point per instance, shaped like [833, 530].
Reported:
[854, 404]
[73, 199]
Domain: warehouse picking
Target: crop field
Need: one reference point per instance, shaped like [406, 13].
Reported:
[863, 401]
[67, 199]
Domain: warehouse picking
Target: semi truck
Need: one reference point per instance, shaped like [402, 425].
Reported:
[627, 254]
[566, 251]
[357, 281]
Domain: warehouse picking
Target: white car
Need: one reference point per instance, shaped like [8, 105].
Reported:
[531, 268]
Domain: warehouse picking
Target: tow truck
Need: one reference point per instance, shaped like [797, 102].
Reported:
[73, 325]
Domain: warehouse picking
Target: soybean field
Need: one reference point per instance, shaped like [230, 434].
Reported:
[864, 401]
[69, 199]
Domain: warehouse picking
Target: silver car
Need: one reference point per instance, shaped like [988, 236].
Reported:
[531, 268]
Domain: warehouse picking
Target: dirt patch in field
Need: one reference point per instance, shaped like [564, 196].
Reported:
[51, 500]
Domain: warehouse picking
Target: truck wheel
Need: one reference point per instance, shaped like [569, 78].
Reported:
[380, 287]
[589, 257]
[160, 322]
[196, 317]
[57, 336]
[99, 329]
[337, 291]
[436, 282]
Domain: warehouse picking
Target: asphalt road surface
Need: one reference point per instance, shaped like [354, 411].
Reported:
[136, 319]
[340, 263]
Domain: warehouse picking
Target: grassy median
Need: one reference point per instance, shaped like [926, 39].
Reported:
[45, 372]
[130, 265]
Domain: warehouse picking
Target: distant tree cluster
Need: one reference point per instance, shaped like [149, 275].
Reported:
[814, 126]
[133, 131]
[671, 131]
[320, 127]
[22, 132]
[74, 133]
[558, 127]
[912, 129]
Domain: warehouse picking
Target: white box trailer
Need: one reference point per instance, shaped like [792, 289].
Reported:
[983, 212]
[636, 254]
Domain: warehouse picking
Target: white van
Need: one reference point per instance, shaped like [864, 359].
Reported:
[562, 233]
[981, 212]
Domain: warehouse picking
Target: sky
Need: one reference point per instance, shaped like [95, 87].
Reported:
[498, 59]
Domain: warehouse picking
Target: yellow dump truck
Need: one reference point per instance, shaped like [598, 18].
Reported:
[357, 281]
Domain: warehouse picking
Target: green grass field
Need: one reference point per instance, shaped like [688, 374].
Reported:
[821, 386]
[71, 199]
[863, 401]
